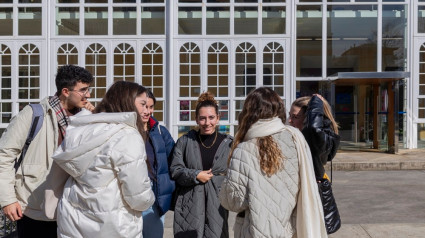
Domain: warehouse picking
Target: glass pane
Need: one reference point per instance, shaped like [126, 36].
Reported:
[421, 19]
[29, 21]
[274, 20]
[6, 1]
[124, 21]
[246, 20]
[96, 20]
[96, 1]
[153, 20]
[309, 41]
[68, 21]
[6, 21]
[68, 1]
[29, 1]
[394, 28]
[223, 106]
[218, 20]
[190, 20]
[352, 49]
[421, 135]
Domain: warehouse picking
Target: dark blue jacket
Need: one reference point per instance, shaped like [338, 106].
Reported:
[163, 145]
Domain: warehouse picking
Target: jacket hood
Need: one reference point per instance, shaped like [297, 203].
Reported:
[85, 136]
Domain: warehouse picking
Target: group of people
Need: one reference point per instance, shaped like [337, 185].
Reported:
[113, 171]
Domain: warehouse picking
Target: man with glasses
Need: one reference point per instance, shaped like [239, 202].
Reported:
[22, 194]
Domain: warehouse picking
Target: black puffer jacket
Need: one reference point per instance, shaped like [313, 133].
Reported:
[319, 135]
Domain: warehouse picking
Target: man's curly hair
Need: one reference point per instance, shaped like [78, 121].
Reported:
[68, 76]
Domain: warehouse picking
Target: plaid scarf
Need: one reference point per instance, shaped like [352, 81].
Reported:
[63, 119]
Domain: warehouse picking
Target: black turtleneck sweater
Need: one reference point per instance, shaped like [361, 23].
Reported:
[207, 155]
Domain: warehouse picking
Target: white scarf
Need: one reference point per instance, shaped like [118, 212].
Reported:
[309, 215]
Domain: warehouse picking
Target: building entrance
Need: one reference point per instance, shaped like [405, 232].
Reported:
[367, 109]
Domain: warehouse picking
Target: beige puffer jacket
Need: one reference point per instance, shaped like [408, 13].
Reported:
[108, 187]
[35, 166]
[285, 204]
[268, 202]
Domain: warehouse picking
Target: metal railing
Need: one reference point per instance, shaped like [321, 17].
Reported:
[7, 227]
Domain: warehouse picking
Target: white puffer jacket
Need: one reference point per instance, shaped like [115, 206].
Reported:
[109, 184]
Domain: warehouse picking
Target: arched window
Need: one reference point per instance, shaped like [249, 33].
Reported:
[218, 76]
[190, 80]
[5, 84]
[124, 60]
[245, 73]
[96, 64]
[153, 75]
[273, 66]
[67, 54]
[29, 75]
[421, 103]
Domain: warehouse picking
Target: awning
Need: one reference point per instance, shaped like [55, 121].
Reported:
[370, 78]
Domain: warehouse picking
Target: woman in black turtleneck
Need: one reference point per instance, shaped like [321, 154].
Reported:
[199, 167]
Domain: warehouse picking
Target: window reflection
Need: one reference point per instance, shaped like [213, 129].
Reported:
[124, 21]
[421, 19]
[96, 21]
[190, 20]
[153, 20]
[352, 49]
[274, 20]
[394, 23]
[246, 20]
[309, 41]
[29, 21]
[218, 20]
[421, 135]
[68, 21]
[6, 21]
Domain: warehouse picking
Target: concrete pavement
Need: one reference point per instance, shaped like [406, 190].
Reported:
[372, 161]
[393, 208]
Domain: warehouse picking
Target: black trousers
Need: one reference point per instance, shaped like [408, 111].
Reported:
[28, 227]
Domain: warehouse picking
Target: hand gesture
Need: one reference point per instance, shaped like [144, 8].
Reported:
[89, 106]
[204, 176]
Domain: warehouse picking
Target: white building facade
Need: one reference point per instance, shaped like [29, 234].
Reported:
[180, 48]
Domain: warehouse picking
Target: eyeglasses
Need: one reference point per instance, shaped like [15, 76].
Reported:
[83, 91]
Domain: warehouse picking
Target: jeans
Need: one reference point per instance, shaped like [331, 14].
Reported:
[28, 227]
[153, 224]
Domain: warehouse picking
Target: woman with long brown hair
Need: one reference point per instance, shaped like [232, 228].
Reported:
[198, 167]
[270, 181]
[104, 155]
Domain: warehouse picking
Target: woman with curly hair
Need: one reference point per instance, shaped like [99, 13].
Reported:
[270, 181]
[198, 167]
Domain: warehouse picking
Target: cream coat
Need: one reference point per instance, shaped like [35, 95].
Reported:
[286, 204]
[29, 191]
[109, 184]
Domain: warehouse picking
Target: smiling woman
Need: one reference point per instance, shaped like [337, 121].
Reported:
[198, 181]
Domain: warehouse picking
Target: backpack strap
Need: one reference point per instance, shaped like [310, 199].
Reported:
[36, 123]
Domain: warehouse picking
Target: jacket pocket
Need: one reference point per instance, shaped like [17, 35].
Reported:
[30, 187]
